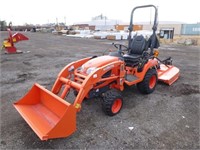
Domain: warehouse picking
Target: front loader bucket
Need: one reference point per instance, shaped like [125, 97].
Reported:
[168, 74]
[47, 114]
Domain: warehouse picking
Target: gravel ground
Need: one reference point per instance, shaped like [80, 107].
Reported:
[165, 119]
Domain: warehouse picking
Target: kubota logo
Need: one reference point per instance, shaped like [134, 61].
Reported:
[108, 67]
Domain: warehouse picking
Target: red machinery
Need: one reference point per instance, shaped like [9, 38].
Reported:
[8, 44]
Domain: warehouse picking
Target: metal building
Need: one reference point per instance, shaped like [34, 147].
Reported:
[190, 29]
[176, 27]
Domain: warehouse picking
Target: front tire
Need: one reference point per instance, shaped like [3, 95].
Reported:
[149, 82]
[112, 102]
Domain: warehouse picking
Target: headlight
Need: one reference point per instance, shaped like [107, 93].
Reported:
[156, 53]
[82, 68]
[90, 70]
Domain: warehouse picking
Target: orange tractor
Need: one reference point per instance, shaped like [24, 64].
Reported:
[49, 113]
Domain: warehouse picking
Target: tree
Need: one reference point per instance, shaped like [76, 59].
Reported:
[3, 25]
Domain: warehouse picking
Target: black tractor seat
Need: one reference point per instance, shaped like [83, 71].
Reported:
[137, 47]
[131, 57]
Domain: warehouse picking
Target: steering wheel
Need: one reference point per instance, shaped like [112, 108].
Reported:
[119, 47]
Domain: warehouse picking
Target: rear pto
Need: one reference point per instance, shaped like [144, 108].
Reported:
[51, 116]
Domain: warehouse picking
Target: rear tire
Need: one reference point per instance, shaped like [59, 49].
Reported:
[149, 82]
[112, 102]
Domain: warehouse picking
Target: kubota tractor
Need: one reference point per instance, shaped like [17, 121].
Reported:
[51, 116]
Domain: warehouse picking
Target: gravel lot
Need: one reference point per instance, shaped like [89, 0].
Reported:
[165, 119]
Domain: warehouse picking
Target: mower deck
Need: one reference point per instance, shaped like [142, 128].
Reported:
[168, 74]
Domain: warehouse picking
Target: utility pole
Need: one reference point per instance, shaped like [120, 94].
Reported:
[57, 21]
[65, 20]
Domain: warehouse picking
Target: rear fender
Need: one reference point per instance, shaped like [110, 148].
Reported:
[152, 63]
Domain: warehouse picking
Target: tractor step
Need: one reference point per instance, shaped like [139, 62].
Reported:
[131, 78]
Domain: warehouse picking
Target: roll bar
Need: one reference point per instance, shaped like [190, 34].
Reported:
[154, 28]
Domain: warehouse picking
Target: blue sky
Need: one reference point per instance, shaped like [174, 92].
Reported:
[42, 11]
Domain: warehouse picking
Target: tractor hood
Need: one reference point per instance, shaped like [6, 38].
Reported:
[97, 62]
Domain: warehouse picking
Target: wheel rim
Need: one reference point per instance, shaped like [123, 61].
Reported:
[152, 82]
[116, 105]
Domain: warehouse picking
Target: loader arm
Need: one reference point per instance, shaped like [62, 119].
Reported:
[88, 82]
[66, 72]
[96, 77]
